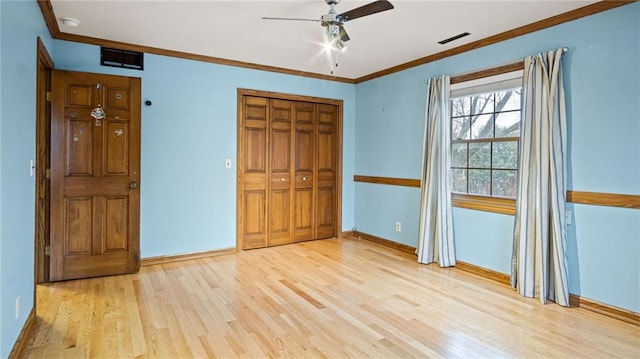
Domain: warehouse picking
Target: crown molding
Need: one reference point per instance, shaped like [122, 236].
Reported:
[54, 30]
[507, 35]
[52, 24]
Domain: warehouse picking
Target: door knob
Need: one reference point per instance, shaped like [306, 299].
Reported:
[281, 179]
[304, 178]
[133, 185]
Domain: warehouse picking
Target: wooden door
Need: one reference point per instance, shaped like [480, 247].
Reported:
[253, 172]
[327, 172]
[95, 175]
[304, 168]
[280, 189]
[289, 160]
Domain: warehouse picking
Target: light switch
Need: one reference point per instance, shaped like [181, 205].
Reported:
[227, 163]
[32, 168]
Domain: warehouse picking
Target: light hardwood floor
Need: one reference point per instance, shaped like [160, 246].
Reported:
[331, 298]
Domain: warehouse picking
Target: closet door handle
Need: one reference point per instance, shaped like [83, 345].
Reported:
[304, 178]
[281, 179]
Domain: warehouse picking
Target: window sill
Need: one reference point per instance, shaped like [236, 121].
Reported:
[487, 204]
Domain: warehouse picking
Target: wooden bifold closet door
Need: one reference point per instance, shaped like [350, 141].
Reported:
[288, 168]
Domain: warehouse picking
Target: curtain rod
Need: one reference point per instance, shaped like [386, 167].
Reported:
[512, 63]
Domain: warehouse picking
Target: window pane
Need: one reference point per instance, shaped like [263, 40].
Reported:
[480, 182]
[505, 183]
[484, 149]
[482, 103]
[460, 106]
[459, 180]
[480, 155]
[481, 126]
[459, 155]
[508, 100]
[505, 154]
[508, 124]
[460, 128]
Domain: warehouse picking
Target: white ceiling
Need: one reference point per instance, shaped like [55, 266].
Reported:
[234, 29]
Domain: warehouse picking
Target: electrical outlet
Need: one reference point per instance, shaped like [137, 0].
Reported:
[398, 227]
[17, 307]
[567, 217]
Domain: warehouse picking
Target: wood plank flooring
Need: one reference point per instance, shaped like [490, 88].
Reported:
[334, 298]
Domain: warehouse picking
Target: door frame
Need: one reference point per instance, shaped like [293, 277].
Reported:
[43, 163]
[239, 152]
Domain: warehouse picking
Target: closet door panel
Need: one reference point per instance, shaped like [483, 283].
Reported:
[303, 214]
[255, 159]
[326, 162]
[280, 223]
[254, 223]
[325, 212]
[253, 172]
[304, 170]
[304, 161]
[280, 193]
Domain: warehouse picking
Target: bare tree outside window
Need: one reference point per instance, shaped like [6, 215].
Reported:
[485, 134]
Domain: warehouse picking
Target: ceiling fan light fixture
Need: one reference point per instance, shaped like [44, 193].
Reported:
[332, 32]
[341, 46]
[335, 34]
[327, 46]
[68, 21]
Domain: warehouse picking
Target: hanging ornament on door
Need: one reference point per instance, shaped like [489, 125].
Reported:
[98, 114]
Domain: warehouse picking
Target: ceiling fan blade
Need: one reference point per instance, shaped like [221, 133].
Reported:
[369, 9]
[343, 34]
[289, 18]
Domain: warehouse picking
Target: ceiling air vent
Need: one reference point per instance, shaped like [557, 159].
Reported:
[121, 58]
[453, 38]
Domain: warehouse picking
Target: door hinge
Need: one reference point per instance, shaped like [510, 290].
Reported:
[47, 173]
[47, 250]
[48, 96]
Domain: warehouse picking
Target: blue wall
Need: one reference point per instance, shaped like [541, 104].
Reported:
[603, 93]
[2, 301]
[21, 24]
[187, 196]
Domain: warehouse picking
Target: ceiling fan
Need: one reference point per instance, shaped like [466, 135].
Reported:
[333, 22]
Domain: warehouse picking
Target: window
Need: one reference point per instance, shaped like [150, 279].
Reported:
[485, 133]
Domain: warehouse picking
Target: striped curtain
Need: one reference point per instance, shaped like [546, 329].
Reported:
[539, 263]
[435, 237]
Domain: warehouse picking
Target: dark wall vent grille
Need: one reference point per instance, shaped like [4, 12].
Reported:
[121, 58]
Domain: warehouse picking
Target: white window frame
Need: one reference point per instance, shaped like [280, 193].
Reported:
[486, 84]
